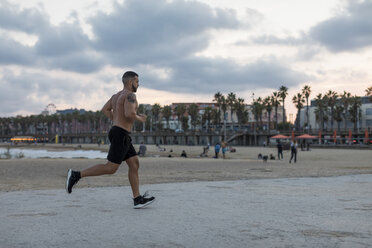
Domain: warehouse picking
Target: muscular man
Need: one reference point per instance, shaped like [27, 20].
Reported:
[121, 109]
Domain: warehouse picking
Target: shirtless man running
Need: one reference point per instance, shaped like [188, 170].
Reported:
[121, 109]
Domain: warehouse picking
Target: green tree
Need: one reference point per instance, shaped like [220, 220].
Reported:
[167, 113]
[155, 111]
[345, 100]
[275, 102]
[298, 101]
[207, 116]
[241, 111]
[337, 115]
[268, 107]
[283, 92]
[193, 111]
[180, 110]
[306, 91]
[230, 100]
[369, 93]
[332, 101]
[321, 107]
[185, 123]
[355, 115]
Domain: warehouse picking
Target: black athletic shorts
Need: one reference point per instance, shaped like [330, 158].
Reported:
[121, 147]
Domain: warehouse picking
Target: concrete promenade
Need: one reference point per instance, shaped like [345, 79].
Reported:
[295, 212]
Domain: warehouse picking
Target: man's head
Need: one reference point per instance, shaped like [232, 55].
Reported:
[130, 80]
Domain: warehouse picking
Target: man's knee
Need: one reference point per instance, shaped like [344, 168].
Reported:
[111, 167]
[133, 163]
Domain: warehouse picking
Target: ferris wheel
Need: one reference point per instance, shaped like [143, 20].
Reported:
[51, 108]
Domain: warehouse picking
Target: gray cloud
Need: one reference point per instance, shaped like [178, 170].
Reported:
[206, 76]
[350, 30]
[142, 31]
[346, 32]
[12, 52]
[154, 33]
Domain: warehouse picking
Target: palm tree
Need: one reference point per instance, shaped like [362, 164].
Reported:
[283, 92]
[207, 116]
[269, 107]
[355, 103]
[306, 91]
[339, 109]
[369, 93]
[193, 111]
[275, 102]
[231, 98]
[155, 111]
[298, 101]
[345, 99]
[241, 112]
[215, 115]
[332, 101]
[218, 99]
[167, 113]
[320, 109]
[180, 110]
[257, 108]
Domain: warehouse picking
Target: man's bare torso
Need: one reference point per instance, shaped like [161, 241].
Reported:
[119, 116]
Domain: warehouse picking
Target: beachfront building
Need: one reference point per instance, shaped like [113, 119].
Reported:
[232, 122]
[364, 121]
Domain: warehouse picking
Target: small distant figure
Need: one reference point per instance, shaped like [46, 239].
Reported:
[272, 157]
[204, 153]
[183, 154]
[232, 149]
[142, 150]
[293, 151]
[224, 148]
[280, 150]
[265, 158]
[217, 149]
[264, 144]
[308, 146]
[259, 156]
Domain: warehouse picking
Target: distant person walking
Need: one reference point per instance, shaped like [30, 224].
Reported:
[280, 150]
[217, 149]
[121, 108]
[142, 150]
[293, 151]
[224, 148]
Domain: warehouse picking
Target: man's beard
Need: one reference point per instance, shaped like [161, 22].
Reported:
[134, 89]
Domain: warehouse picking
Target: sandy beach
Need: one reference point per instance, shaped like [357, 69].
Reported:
[157, 167]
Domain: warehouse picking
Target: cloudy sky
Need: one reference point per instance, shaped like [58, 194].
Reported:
[73, 53]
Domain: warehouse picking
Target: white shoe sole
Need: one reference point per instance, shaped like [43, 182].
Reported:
[68, 179]
[143, 205]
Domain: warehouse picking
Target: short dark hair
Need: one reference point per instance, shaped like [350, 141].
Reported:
[128, 76]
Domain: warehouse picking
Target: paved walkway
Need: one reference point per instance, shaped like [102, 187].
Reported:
[297, 212]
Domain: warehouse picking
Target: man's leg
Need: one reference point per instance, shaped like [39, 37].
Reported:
[100, 169]
[133, 166]
[139, 201]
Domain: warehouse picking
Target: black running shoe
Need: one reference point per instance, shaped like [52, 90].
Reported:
[72, 178]
[143, 200]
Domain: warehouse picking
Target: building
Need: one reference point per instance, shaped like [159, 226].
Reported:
[363, 123]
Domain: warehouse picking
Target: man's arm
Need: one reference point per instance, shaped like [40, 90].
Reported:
[130, 109]
[107, 109]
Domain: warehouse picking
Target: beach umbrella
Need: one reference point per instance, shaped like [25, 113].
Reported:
[366, 137]
[279, 136]
[306, 136]
[334, 137]
[350, 135]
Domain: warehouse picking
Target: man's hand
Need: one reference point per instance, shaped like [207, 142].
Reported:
[141, 117]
